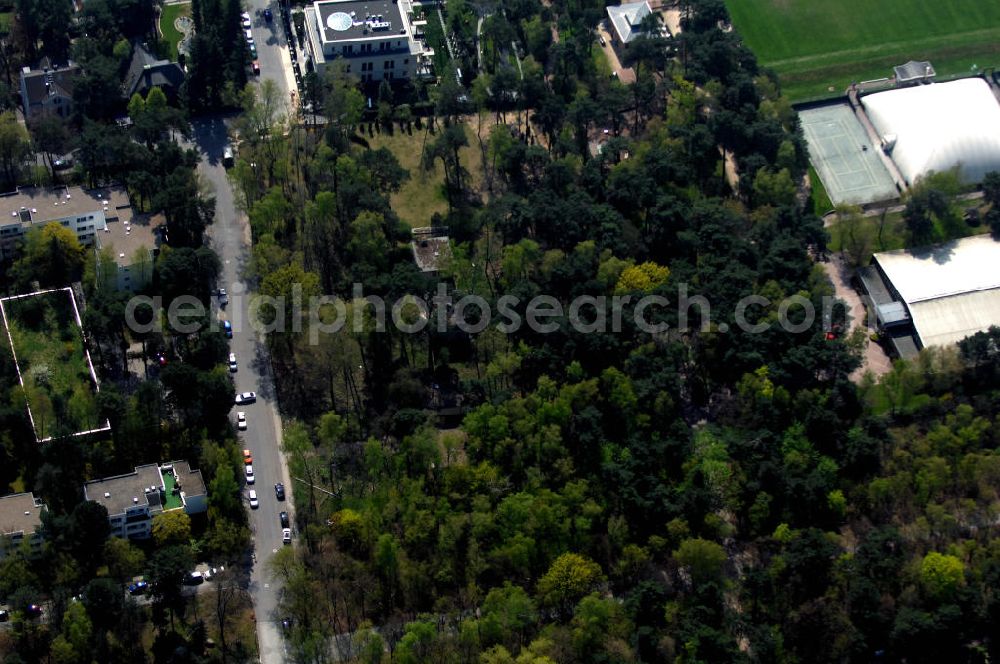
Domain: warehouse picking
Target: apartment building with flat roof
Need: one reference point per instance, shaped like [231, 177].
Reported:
[133, 499]
[20, 519]
[379, 40]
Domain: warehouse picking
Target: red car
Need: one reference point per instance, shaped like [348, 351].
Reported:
[256, 68]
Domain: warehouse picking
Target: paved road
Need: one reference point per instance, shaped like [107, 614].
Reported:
[229, 235]
[272, 46]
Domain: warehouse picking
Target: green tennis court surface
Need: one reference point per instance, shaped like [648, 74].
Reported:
[844, 157]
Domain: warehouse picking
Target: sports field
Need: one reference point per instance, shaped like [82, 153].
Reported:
[847, 162]
[818, 44]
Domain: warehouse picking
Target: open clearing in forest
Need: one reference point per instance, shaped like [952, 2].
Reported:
[56, 373]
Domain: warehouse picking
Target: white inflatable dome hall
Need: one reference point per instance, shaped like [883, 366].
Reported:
[938, 126]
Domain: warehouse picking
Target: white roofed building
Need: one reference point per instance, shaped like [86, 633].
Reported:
[626, 21]
[378, 39]
[951, 290]
[939, 126]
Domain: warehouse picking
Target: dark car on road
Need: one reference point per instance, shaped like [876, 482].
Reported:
[283, 517]
[268, 16]
[279, 491]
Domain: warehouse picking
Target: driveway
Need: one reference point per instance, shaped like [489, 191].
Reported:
[874, 358]
[229, 236]
[625, 74]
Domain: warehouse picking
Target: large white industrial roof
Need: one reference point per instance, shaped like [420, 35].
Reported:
[939, 126]
[952, 290]
[948, 320]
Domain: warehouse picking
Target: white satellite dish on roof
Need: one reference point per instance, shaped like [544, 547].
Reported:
[339, 21]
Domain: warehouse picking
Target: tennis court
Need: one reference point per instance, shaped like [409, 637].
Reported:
[844, 157]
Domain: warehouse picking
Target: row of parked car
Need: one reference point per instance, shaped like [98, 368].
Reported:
[279, 494]
[196, 578]
[247, 24]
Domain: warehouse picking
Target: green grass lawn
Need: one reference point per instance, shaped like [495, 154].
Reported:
[601, 64]
[816, 44]
[50, 354]
[820, 199]
[894, 235]
[170, 34]
[173, 500]
[423, 194]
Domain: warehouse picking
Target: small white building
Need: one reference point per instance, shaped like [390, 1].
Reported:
[626, 21]
[133, 499]
[378, 40]
[20, 518]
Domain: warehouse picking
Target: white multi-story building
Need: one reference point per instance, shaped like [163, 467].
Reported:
[84, 212]
[20, 518]
[133, 499]
[101, 218]
[379, 40]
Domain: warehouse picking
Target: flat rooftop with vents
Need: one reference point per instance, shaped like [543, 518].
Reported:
[20, 517]
[134, 498]
[378, 38]
[355, 20]
[84, 211]
[40, 205]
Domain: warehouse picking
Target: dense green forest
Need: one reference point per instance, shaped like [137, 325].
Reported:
[703, 494]
[700, 495]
